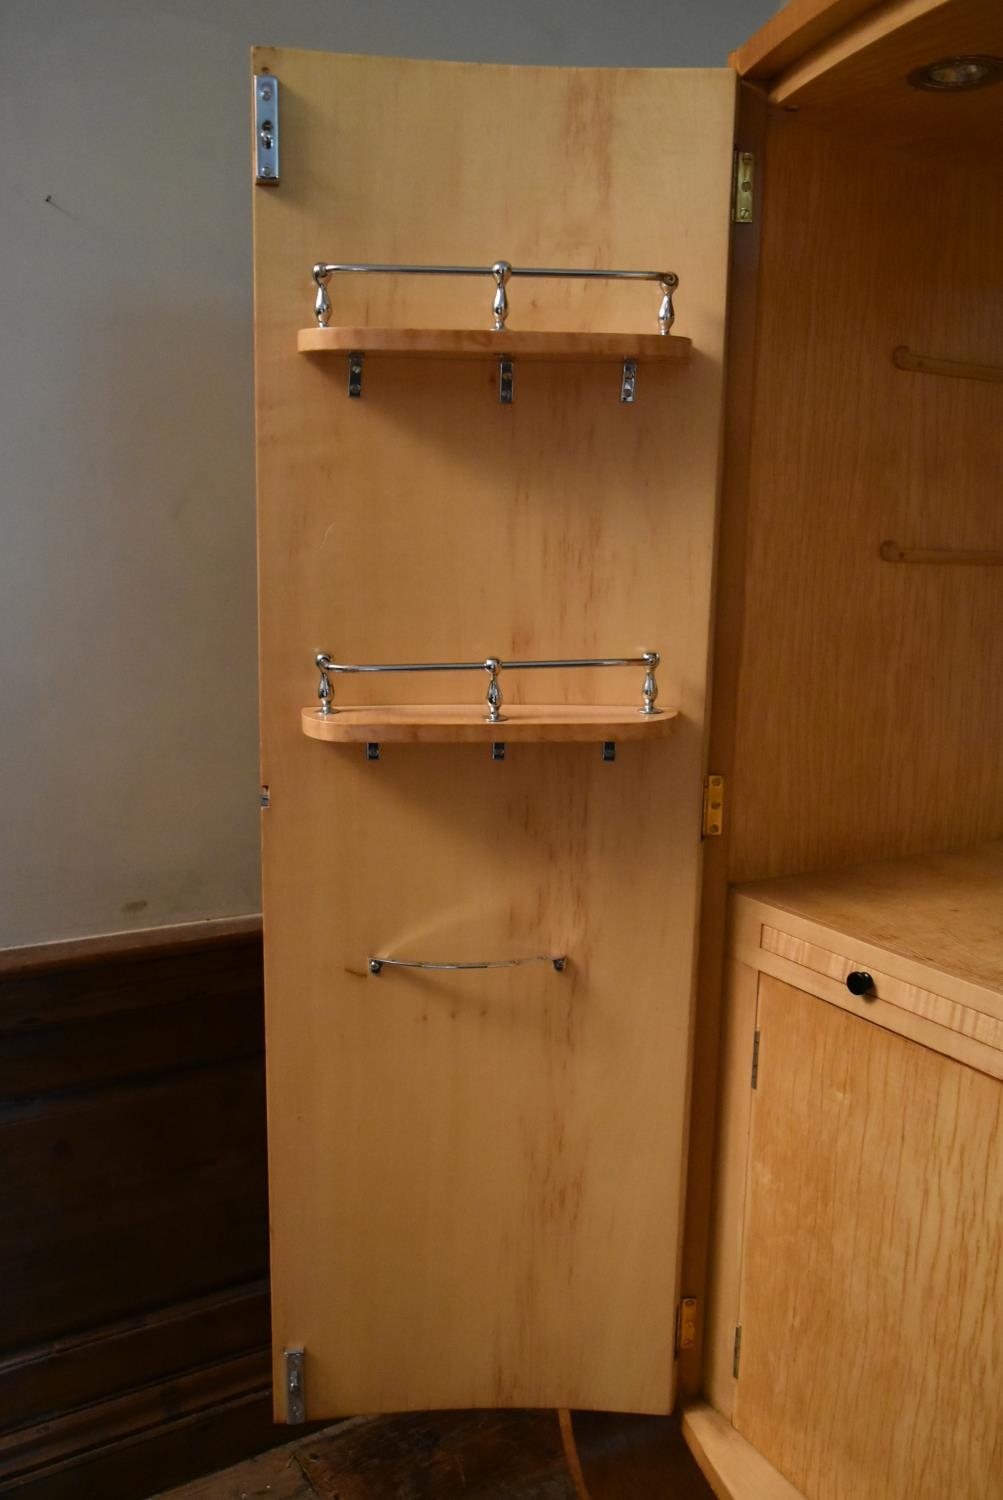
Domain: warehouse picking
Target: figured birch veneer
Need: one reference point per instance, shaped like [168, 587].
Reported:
[859, 1220]
[476, 1177]
[872, 1274]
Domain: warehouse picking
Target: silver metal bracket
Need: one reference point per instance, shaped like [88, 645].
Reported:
[295, 1386]
[505, 381]
[497, 750]
[266, 129]
[264, 797]
[373, 750]
[628, 382]
[609, 750]
[355, 374]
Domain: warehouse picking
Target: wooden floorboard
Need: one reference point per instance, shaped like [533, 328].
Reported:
[487, 1455]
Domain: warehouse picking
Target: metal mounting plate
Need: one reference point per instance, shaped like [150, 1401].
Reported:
[295, 1389]
[266, 129]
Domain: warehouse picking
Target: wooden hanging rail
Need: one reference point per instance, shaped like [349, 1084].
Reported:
[925, 364]
[894, 553]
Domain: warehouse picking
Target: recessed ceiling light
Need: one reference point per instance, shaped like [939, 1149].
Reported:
[954, 74]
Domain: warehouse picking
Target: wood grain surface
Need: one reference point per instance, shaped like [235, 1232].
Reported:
[872, 1286]
[942, 911]
[857, 82]
[868, 709]
[476, 1178]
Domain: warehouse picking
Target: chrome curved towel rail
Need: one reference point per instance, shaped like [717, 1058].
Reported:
[376, 965]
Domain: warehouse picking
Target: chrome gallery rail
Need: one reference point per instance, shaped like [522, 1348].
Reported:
[376, 965]
[502, 272]
[493, 666]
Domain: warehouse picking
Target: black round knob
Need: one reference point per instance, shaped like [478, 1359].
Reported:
[859, 982]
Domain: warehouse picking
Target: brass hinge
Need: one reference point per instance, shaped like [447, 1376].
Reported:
[686, 1324]
[744, 180]
[736, 1357]
[755, 1059]
[713, 806]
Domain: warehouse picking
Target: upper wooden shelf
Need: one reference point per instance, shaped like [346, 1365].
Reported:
[464, 723]
[482, 343]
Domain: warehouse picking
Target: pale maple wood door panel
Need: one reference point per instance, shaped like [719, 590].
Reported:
[476, 1178]
[872, 1278]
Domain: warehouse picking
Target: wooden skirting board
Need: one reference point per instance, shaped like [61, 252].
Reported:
[142, 940]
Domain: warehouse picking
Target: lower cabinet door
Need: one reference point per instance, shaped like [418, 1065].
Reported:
[871, 1355]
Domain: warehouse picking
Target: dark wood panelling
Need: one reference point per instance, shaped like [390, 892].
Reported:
[130, 1197]
[55, 1378]
[133, 1237]
[129, 1017]
[169, 1453]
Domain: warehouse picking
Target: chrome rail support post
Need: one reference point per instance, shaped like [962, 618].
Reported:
[650, 688]
[501, 271]
[325, 692]
[666, 312]
[322, 302]
[494, 696]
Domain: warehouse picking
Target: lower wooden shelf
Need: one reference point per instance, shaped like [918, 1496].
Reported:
[483, 343]
[464, 723]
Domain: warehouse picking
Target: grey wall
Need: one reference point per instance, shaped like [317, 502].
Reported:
[127, 612]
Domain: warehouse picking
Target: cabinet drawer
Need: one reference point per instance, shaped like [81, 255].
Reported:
[952, 1016]
[887, 989]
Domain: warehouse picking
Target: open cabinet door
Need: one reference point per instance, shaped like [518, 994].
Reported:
[476, 1174]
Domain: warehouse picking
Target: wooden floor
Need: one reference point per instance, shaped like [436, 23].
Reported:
[489, 1455]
